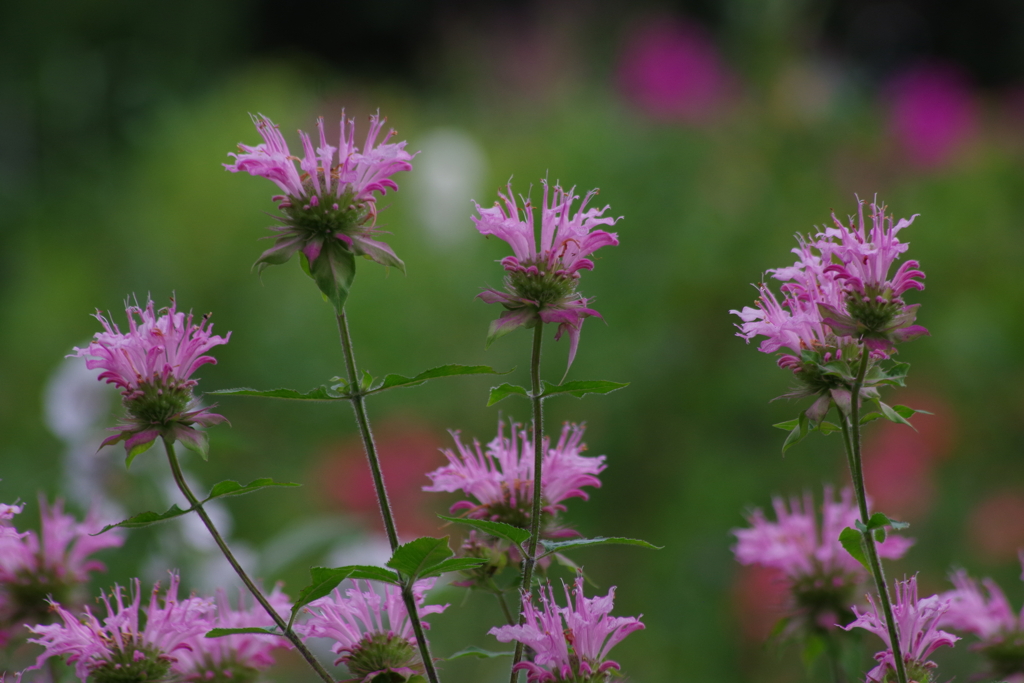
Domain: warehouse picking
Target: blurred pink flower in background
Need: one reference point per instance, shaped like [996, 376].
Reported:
[760, 596]
[932, 113]
[996, 526]
[407, 449]
[899, 462]
[670, 69]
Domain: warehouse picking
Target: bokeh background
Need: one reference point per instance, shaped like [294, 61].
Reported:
[717, 129]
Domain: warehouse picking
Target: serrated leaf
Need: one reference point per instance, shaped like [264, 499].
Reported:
[221, 632]
[414, 557]
[454, 564]
[503, 391]
[498, 529]
[851, 539]
[145, 519]
[321, 393]
[233, 488]
[322, 581]
[555, 546]
[473, 651]
[452, 370]
[581, 388]
[371, 572]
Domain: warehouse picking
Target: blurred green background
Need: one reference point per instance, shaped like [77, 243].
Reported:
[717, 130]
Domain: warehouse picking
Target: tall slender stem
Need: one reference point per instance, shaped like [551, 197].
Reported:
[179, 479]
[852, 440]
[538, 464]
[359, 407]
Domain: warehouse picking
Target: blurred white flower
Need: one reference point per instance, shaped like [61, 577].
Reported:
[449, 172]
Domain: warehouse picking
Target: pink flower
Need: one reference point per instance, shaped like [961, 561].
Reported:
[672, 71]
[52, 564]
[822, 574]
[371, 630]
[836, 296]
[500, 477]
[152, 365]
[541, 278]
[874, 310]
[570, 643]
[118, 648]
[932, 113]
[330, 209]
[999, 627]
[917, 624]
[237, 657]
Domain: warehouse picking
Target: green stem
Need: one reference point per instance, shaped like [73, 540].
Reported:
[359, 406]
[538, 464]
[500, 595]
[834, 649]
[852, 440]
[179, 479]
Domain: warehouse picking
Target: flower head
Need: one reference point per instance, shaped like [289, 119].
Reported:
[236, 658]
[541, 276]
[119, 649]
[822, 575]
[500, 477]
[330, 208]
[371, 630]
[917, 622]
[49, 565]
[990, 617]
[836, 298]
[571, 643]
[153, 364]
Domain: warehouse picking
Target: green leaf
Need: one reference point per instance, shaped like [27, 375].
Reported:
[415, 557]
[581, 388]
[221, 632]
[892, 415]
[880, 521]
[454, 564]
[798, 433]
[233, 488]
[499, 529]
[333, 271]
[322, 581]
[555, 546]
[145, 519]
[392, 381]
[827, 427]
[371, 572]
[500, 392]
[814, 647]
[870, 417]
[909, 412]
[321, 393]
[366, 382]
[138, 450]
[788, 425]
[852, 540]
[473, 651]
[894, 375]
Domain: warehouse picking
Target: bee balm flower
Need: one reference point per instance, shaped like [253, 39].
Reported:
[330, 208]
[570, 643]
[541, 277]
[153, 364]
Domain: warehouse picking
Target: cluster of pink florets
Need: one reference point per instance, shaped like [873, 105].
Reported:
[571, 643]
[544, 270]
[839, 293]
[54, 562]
[500, 477]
